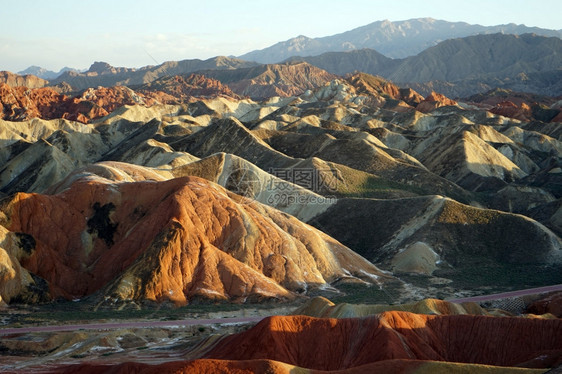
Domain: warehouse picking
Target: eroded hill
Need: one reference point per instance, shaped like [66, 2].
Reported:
[416, 185]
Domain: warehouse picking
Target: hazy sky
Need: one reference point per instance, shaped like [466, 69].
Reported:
[58, 33]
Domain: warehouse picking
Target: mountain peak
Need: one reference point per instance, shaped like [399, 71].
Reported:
[100, 67]
[38, 71]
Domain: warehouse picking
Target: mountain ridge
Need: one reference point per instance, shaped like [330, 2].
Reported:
[103, 74]
[462, 66]
[43, 73]
[457, 67]
[396, 39]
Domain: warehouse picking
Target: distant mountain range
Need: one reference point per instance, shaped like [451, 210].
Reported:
[463, 66]
[44, 73]
[393, 39]
[103, 74]
[457, 67]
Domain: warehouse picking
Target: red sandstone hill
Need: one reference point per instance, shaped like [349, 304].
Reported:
[22, 103]
[111, 98]
[171, 240]
[265, 81]
[391, 342]
[182, 88]
[523, 106]
[336, 344]
[196, 366]
[433, 101]
[373, 85]
[206, 366]
[509, 109]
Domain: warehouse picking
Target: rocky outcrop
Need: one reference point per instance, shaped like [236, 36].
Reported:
[22, 103]
[433, 101]
[395, 98]
[522, 106]
[369, 84]
[512, 110]
[16, 283]
[111, 98]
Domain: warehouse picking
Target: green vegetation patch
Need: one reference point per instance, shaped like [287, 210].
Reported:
[356, 183]
[358, 293]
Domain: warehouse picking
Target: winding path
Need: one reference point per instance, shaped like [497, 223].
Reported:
[128, 325]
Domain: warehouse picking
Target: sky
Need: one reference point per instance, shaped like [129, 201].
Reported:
[134, 33]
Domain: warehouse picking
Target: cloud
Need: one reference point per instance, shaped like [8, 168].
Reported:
[181, 46]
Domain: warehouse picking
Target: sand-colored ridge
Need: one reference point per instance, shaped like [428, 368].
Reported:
[321, 307]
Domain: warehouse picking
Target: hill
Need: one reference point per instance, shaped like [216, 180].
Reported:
[341, 63]
[21, 103]
[501, 341]
[15, 80]
[265, 81]
[495, 56]
[184, 88]
[175, 240]
[350, 154]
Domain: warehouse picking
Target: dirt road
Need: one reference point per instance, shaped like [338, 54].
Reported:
[127, 325]
[505, 295]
